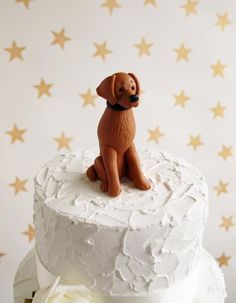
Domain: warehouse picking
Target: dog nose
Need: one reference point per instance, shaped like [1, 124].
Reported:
[133, 98]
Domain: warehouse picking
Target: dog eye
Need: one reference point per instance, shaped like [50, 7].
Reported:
[133, 88]
[121, 89]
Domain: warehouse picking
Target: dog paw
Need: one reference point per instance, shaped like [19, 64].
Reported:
[114, 191]
[104, 187]
[91, 173]
[143, 184]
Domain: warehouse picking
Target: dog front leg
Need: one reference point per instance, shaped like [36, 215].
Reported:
[134, 172]
[109, 156]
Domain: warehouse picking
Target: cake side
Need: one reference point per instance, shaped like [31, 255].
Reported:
[209, 288]
[133, 244]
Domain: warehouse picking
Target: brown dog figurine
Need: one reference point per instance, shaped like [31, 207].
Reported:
[116, 131]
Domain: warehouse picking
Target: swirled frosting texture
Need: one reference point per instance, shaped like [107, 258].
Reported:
[136, 243]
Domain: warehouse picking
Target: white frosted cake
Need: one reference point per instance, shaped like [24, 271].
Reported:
[142, 246]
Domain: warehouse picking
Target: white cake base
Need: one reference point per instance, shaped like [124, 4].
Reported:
[210, 285]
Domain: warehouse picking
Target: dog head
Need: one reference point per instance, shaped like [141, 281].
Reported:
[120, 88]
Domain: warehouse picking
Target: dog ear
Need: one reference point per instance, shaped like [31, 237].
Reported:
[136, 81]
[106, 89]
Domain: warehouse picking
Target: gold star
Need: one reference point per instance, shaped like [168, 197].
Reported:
[19, 185]
[60, 38]
[155, 135]
[181, 99]
[221, 188]
[111, 4]
[223, 260]
[152, 2]
[218, 110]
[226, 152]
[63, 141]
[195, 142]
[25, 2]
[16, 134]
[30, 233]
[15, 51]
[227, 223]
[102, 50]
[143, 47]
[182, 52]
[218, 69]
[223, 20]
[43, 88]
[190, 7]
[2, 254]
[89, 98]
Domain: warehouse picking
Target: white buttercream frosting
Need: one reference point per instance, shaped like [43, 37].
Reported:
[183, 290]
[209, 286]
[136, 243]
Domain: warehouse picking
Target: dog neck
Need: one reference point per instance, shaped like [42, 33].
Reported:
[116, 107]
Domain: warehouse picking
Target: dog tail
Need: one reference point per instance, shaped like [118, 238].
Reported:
[91, 173]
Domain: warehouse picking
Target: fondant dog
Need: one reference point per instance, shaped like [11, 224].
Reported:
[116, 131]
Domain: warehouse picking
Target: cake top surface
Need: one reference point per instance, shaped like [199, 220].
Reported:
[177, 187]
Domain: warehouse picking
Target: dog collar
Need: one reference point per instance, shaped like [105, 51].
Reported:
[116, 107]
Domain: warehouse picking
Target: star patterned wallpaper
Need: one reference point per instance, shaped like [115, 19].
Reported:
[53, 54]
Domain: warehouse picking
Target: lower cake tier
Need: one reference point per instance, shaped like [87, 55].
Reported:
[204, 285]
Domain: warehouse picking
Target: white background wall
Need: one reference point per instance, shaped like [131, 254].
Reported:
[74, 69]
